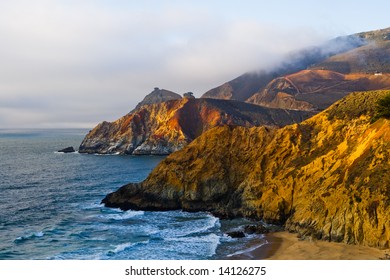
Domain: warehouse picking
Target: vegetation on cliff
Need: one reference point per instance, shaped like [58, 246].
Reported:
[383, 108]
[326, 178]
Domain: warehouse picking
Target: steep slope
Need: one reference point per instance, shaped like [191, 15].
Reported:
[242, 87]
[168, 126]
[316, 89]
[326, 178]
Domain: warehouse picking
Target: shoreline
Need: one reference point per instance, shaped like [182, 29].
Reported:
[287, 246]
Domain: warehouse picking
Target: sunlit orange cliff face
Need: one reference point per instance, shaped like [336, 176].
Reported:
[165, 127]
[325, 178]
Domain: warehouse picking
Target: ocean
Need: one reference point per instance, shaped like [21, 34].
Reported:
[50, 207]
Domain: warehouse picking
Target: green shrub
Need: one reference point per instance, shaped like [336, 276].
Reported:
[357, 104]
[383, 108]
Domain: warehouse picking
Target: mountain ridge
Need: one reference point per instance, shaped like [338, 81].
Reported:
[166, 127]
[300, 83]
[346, 55]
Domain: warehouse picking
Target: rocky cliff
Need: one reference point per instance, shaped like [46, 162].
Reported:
[166, 127]
[326, 178]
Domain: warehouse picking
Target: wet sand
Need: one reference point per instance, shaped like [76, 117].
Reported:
[287, 246]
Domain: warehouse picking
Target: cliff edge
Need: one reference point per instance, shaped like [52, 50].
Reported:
[326, 178]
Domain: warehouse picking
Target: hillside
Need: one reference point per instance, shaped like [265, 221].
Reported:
[373, 57]
[165, 127]
[316, 89]
[326, 178]
[362, 53]
[242, 87]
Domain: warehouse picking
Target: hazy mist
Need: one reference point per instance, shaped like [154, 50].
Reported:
[76, 63]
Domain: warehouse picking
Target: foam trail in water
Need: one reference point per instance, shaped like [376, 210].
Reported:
[29, 236]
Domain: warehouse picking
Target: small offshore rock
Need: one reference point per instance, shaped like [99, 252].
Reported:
[255, 229]
[236, 234]
[67, 150]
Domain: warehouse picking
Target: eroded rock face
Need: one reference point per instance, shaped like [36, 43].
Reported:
[326, 178]
[167, 127]
[255, 229]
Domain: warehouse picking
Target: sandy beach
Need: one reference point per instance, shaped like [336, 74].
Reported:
[287, 246]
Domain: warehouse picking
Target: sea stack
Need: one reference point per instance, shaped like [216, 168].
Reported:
[67, 150]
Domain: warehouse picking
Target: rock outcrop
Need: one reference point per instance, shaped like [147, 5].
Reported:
[67, 150]
[167, 127]
[157, 96]
[326, 178]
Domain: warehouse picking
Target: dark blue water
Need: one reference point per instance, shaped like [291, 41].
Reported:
[50, 206]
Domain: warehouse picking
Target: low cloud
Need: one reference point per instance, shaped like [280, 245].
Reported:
[63, 62]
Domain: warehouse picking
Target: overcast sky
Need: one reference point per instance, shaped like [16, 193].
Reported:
[74, 63]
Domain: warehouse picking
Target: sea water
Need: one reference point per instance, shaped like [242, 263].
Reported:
[50, 207]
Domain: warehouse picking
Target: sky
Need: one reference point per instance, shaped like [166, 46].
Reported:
[75, 63]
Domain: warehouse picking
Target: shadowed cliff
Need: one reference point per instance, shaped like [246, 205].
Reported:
[326, 178]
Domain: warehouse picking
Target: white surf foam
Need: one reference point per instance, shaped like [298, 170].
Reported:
[191, 227]
[30, 236]
[208, 242]
[124, 215]
[247, 250]
[124, 246]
